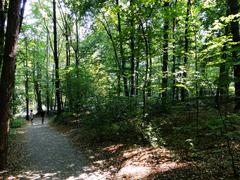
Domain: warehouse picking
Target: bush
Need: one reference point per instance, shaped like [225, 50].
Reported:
[17, 122]
[111, 110]
[62, 118]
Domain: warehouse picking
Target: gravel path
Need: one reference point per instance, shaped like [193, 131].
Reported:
[47, 154]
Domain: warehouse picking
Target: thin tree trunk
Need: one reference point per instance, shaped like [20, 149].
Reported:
[132, 47]
[27, 81]
[150, 69]
[77, 45]
[107, 29]
[165, 58]
[38, 91]
[123, 60]
[174, 60]
[7, 76]
[56, 60]
[145, 83]
[183, 90]
[47, 76]
[2, 30]
[139, 38]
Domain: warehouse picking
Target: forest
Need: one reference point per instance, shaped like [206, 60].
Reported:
[153, 78]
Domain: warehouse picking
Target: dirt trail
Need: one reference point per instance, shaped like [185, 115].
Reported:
[45, 153]
[39, 151]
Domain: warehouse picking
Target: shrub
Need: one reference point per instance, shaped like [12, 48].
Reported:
[17, 122]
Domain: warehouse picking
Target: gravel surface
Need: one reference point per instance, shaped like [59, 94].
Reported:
[45, 153]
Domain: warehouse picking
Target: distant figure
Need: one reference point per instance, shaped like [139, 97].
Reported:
[31, 116]
[42, 113]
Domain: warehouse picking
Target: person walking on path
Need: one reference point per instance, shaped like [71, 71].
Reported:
[31, 116]
[42, 113]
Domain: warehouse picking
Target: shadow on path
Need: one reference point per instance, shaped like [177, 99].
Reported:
[40, 151]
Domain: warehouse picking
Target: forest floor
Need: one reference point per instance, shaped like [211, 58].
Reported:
[66, 152]
[134, 159]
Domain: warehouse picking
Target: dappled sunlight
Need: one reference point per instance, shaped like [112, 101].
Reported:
[145, 161]
[135, 172]
[92, 175]
[118, 161]
[32, 175]
[19, 131]
[113, 148]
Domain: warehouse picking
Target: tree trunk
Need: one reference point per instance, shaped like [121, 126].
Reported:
[77, 45]
[108, 30]
[233, 10]
[132, 47]
[183, 90]
[149, 88]
[174, 24]
[56, 60]
[47, 77]
[7, 76]
[38, 95]
[123, 60]
[146, 76]
[165, 57]
[2, 30]
[27, 81]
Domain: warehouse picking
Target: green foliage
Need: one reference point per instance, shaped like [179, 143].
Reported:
[17, 122]
[107, 111]
[62, 118]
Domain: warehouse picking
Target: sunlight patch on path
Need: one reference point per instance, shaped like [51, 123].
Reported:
[138, 172]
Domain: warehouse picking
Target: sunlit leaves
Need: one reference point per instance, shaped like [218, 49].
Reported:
[209, 3]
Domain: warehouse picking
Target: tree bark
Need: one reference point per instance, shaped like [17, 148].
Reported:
[174, 89]
[123, 60]
[56, 60]
[146, 76]
[47, 76]
[77, 44]
[174, 62]
[132, 47]
[233, 10]
[2, 30]
[165, 57]
[7, 76]
[27, 81]
[183, 90]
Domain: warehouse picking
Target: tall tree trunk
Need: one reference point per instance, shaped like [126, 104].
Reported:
[132, 47]
[183, 90]
[123, 60]
[223, 80]
[108, 30]
[7, 76]
[138, 49]
[174, 89]
[234, 10]
[26, 81]
[174, 62]
[149, 88]
[165, 57]
[56, 60]
[146, 76]
[38, 96]
[47, 77]
[2, 30]
[67, 48]
[77, 45]
[22, 13]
